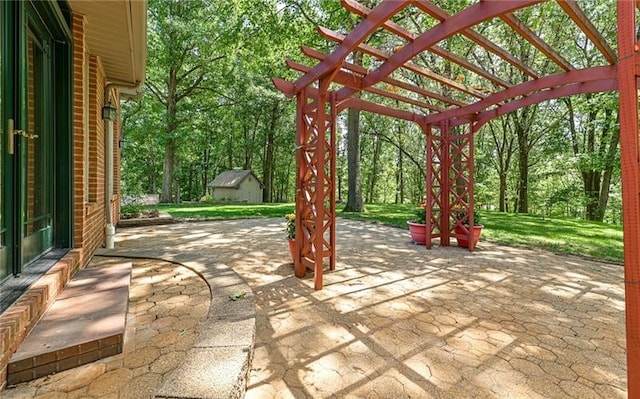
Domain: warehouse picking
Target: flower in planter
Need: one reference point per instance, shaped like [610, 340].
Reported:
[291, 225]
[477, 219]
[420, 213]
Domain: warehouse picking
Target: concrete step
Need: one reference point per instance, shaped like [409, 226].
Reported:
[85, 323]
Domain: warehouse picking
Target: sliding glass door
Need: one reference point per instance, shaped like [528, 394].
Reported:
[32, 119]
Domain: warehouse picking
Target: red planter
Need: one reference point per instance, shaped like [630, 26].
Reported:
[292, 248]
[463, 238]
[418, 233]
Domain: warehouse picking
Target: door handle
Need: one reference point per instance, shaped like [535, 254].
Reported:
[12, 132]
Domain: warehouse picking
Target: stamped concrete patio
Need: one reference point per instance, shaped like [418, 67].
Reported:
[393, 321]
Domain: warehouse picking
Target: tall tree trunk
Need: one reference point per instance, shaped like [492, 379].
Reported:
[596, 183]
[523, 180]
[377, 149]
[171, 145]
[522, 122]
[503, 143]
[268, 168]
[503, 205]
[400, 165]
[354, 194]
[400, 179]
[229, 153]
[190, 183]
[167, 171]
[606, 177]
[205, 170]
[354, 184]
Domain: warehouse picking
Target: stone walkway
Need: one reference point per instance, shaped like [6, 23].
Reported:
[166, 306]
[393, 321]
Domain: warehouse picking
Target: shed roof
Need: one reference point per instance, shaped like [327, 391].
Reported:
[232, 178]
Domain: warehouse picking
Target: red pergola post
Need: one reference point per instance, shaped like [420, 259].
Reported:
[430, 183]
[445, 184]
[460, 176]
[628, 88]
[315, 181]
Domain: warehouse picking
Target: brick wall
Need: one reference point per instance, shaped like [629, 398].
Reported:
[78, 25]
[88, 213]
[93, 226]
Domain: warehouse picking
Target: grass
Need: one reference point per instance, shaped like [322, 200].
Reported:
[562, 235]
[216, 212]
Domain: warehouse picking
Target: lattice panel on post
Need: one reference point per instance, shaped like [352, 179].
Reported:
[460, 196]
[435, 144]
[315, 204]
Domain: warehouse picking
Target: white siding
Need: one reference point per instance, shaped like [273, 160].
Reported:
[249, 191]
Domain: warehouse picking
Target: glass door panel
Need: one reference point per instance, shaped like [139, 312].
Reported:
[5, 262]
[35, 158]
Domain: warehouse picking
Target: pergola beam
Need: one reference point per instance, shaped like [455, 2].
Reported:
[394, 28]
[357, 103]
[442, 15]
[355, 82]
[604, 73]
[596, 86]
[584, 23]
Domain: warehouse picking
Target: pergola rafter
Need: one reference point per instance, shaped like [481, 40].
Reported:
[536, 41]
[442, 15]
[450, 111]
[413, 67]
[394, 28]
[394, 82]
[460, 22]
[582, 20]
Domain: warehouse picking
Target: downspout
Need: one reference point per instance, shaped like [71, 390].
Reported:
[110, 229]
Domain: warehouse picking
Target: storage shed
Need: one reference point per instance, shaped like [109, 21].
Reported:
[237, 185]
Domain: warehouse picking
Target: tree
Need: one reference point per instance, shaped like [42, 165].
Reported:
[354, 193]
[504, 147]
[182, 40]
[594, 134]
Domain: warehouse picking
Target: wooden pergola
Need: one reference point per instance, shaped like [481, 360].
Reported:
[450, 111]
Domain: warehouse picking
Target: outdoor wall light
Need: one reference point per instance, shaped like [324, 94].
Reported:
[109, 112]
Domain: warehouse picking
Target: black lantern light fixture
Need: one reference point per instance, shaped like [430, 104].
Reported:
[109, 112]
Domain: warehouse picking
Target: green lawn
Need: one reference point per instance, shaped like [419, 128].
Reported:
[564, 235]
[212, 212]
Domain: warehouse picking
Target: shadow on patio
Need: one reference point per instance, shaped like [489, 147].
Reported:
[396, 320]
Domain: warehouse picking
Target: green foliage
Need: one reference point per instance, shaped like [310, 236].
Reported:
[131, 210]
[420, 214]
[206, 198]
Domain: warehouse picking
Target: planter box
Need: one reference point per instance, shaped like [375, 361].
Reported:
[463, 237]
[418, 233]
[292, 248]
